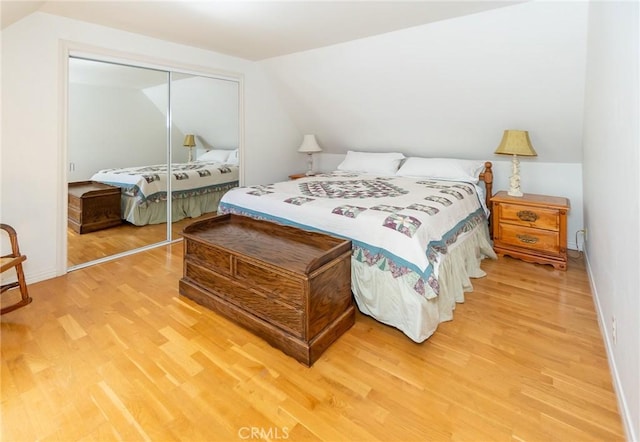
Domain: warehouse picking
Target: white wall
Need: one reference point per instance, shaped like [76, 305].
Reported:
[33, 158]
[612, 191]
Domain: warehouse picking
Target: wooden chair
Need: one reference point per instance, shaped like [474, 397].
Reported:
[14, 261]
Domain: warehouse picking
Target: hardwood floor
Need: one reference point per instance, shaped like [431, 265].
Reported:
[113, 352]
[108, 242]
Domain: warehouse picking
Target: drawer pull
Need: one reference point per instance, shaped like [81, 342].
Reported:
[527, 239]
[527, 215]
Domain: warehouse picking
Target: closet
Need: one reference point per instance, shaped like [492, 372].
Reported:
[121, 115]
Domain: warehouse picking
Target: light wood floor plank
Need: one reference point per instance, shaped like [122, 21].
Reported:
[113, 352]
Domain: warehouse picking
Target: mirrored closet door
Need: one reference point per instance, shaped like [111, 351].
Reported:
[204, 134]
[124, 124]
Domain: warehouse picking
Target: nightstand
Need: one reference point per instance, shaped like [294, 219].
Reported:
[296, 176]
[532, 228]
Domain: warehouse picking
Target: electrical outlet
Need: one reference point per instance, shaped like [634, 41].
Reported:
[614, 330]
[584, 238]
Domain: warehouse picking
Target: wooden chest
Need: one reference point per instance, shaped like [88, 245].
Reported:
[93, 206]
[288, 286]
[532, 228]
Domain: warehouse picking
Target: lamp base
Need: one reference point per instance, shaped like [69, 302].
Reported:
[310, 171]
[514, 180]
[515, 192]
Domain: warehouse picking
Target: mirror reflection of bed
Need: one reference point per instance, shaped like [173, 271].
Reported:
[118, 135]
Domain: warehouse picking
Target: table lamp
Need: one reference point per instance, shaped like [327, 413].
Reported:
[515, 142]
[309, 146]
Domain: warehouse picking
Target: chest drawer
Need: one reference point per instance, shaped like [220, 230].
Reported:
[74, 203]
[256, 301]
[75, 213]
[209, 257]
[274, 285]
[539, 217]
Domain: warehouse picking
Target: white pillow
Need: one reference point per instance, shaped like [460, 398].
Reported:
[233, 157]
[218, 155]
[370, 162]
[442, 169]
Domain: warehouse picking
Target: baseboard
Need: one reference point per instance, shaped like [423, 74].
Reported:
[617, 384]
[31, 277]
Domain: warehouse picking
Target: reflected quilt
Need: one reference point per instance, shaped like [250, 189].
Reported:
[149, 183]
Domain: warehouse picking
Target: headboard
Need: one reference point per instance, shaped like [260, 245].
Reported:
[487, 177]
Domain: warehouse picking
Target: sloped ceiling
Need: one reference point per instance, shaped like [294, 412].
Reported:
[254, 30]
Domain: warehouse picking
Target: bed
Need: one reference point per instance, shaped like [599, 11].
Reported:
[196, 189]
[418, 232]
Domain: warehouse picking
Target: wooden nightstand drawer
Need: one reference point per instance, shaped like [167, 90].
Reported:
[538, 217]
[544, 241]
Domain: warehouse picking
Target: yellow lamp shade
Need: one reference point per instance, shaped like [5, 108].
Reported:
[516, 142]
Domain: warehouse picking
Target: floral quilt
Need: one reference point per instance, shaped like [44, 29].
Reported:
[399, 224]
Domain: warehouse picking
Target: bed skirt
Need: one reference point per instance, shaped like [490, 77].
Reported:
[394, 301]
[181, 208]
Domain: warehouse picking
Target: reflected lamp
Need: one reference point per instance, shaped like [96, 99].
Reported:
[189, 142]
